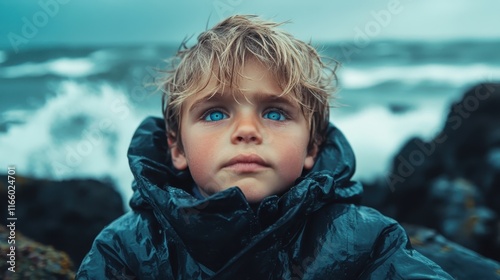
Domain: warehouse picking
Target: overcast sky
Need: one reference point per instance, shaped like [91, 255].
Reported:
[90, 22]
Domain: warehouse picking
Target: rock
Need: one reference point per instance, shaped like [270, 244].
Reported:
[67, 215]
[459, 262]
[457, 209]
[451, 183]
[32, 259]
[473, 129]
[398, 108]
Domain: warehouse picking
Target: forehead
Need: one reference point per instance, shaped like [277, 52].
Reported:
[253, 80]
[240, 97]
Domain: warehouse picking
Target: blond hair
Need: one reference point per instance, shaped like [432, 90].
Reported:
[221, 52]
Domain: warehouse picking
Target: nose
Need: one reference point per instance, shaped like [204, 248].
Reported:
[247, 130]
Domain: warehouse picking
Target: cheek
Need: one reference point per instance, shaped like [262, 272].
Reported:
[200, 153]
[292, 156]
[292, 163]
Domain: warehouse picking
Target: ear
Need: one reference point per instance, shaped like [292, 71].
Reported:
[178, 157]
[311, 157]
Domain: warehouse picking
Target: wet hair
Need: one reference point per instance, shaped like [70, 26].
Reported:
[221, 52]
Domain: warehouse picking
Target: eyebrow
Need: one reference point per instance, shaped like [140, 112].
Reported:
[210, 97]
[258, 97]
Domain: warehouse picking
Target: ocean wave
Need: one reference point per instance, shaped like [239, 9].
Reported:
[449, 75]
[82, 132]
[85, 131]
[3, 56]
[64, 67]
[12, 117]
[376, 134]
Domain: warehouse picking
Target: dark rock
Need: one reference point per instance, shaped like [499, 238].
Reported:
[398, 108]
[473, 129]
[452, 183]
[67, 215]
[459, 262]
[457, 209]
[31, 260]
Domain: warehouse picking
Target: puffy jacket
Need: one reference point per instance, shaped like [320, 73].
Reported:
[315, 230]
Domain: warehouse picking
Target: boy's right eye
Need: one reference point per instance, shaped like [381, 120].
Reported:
[215, 115]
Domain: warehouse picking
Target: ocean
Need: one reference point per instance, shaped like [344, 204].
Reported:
[70, 112]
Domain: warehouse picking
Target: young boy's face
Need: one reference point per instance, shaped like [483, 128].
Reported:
[255, 139]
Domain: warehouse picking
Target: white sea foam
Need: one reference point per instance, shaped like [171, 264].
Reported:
[82, 132]
[376, 134]
[65, 67]
[14, 116]
[450, 75]
[85, 132]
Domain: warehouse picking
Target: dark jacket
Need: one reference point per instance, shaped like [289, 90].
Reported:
[315, 230]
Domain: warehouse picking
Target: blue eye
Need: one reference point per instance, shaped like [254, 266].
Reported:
[275, 115]
[215, 116]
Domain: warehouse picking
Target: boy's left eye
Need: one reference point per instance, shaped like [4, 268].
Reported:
[275, 115]
[214, 116]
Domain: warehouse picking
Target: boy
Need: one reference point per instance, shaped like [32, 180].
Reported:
[256, 184]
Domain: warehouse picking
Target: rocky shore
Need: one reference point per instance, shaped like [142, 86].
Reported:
[32, 260]
[64, 216]
[451, 184]
[445, 191]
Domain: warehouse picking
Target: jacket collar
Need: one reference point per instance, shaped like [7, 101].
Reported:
[208, 226]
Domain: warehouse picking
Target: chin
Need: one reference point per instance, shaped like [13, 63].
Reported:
[255, 194]
[254, 199]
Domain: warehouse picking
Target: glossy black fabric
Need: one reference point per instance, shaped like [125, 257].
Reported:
[313, 231]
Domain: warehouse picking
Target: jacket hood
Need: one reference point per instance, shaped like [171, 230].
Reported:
[218, 228]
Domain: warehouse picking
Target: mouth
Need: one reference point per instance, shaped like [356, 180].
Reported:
[246, 164]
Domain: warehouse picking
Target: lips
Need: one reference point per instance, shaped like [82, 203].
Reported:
[246, 163]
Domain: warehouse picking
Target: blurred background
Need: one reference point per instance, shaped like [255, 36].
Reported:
[74, 74]
[75, 82]
[68, 66]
